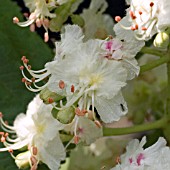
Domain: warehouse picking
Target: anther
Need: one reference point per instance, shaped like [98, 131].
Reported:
[33, 160]
[29, 67]
[26, 14]
[72, 88]
[132, 15]
[28, 83]
[32, 27]
[23, 80]
[6, 134]
[34, 167]
[110, 37]
[117, 18]
[25, 61]
[133, 28]
[21, 67]
[76, 139]
[38, 23]
[23, 58]
[33, 79]
[140, 12]
[1, 115]
[151, 4]
[15, 20]
[144, 28]
[79, 112]
[2, 133]
[61, 84]
[34, 150]
[46, 37]
[136, 26]
[50, 100]
[10, 151]
[118, 160]
[98, 124]
[3, 139]
[46, 22]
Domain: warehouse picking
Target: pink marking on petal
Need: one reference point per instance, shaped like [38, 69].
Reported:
[109, 45]
[130, 160]
[139, 158]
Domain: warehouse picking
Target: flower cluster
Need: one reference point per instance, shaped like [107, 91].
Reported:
[146, 18]
[37, 133]
[136, 157]
[90, 73]
[81, 88]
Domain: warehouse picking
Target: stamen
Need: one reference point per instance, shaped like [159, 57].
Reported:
[61, 84]
[23, 80]
[38, 23]
[140, 12]
[33, 160]
[15, 20]
[3, 139]
[80, 112]
[118, 161]
[50, 100]
[34, 150]
[98, 124]
[46, 37]
[72, 88]
[46, 22]
[76, 139]
[151, 4]
[117, 18]
[144, 28]
[10, 151]
[32, 27]
[21, 67]
[23, 58]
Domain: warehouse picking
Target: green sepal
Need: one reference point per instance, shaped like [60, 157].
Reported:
[64, 116]
[46, 94]
[78, 20]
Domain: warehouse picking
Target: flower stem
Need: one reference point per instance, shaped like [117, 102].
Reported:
[168, 88]
[134, 129]
[154, 64]
[148, 50]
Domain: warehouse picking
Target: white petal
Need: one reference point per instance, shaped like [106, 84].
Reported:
[111, 110]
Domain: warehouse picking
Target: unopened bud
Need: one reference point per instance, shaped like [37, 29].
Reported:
[22, 160]
[47, 96]
[161, 40]
[64, 116]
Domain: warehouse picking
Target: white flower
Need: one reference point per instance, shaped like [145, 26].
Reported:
[37, 130]
[83, 75]
[40, 13]
[148, 17]
[114, 49]
[99, 25]
[155, 157]
[95, 80]
[84, 130]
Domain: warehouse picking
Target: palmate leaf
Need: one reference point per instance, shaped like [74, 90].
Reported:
[14, 43]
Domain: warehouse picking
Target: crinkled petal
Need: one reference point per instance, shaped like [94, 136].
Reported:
[112, 109]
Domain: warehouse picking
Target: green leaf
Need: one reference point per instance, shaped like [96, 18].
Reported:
[14, 43]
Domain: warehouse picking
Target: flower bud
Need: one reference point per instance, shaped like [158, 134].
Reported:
[22, 160]
[48, 97]
[64, 116]
[161, 40]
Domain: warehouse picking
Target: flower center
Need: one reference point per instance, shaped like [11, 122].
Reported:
[95, 79]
